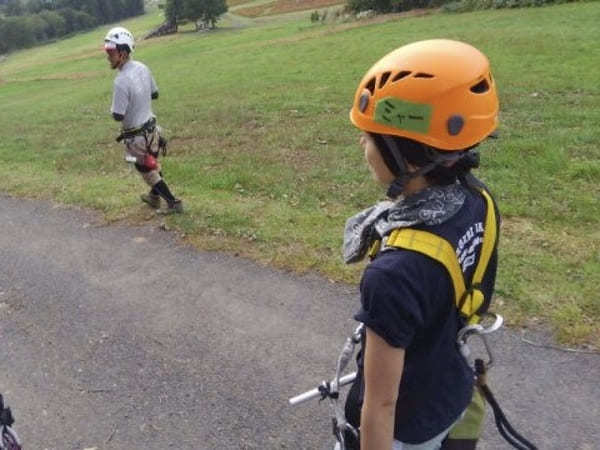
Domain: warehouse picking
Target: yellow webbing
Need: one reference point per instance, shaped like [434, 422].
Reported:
[442, 251]
[433, 246]
[489, 238]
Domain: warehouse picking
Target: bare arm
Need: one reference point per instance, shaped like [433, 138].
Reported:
[384, 365]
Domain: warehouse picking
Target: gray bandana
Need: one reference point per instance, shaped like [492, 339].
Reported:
[431, 206]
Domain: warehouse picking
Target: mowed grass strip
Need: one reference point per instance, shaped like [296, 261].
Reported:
[283, 6]
[232, 3]
[268, 164]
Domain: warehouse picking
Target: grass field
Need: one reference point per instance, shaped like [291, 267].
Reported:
[268, 164]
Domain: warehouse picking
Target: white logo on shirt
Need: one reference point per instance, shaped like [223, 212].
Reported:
[467, 244]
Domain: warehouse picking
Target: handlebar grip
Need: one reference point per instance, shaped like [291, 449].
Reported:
[314, 393]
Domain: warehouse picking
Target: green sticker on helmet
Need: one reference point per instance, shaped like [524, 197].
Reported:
[403, 115]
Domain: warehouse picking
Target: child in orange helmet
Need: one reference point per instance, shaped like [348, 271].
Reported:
[422, 109]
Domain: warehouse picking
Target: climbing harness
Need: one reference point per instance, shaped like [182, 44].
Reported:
[469, 300]
[9, 440]
[149, 130]
[472, 305]
[147, 127]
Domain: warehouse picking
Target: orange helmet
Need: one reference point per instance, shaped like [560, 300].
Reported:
[438, 92]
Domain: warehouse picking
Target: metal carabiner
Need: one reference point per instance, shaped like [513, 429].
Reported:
[338, 432]
[346, 354]
[358, 333]
[480, 331]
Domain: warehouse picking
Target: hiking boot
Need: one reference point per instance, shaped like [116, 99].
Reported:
[151, 199]
[173, 208]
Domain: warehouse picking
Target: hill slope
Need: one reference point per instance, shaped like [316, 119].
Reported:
[267, 162]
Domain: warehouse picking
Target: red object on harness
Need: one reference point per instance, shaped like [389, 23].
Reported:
[150, 162]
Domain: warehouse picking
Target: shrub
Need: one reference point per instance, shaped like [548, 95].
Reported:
[455, 7]
[471, 5]
[386, 6]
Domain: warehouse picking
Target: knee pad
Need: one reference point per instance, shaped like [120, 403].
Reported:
[149, 163]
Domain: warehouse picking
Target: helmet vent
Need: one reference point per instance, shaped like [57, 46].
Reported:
[423, 75]
[384, 78]
[481, 87]
[371, 86]
[401, 75]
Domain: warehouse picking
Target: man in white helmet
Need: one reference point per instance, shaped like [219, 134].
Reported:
[134, 90]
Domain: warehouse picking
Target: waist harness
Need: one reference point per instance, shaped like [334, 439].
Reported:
[148, 130]
[468, 297]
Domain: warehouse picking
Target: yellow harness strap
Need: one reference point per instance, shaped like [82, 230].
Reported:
[467, 300]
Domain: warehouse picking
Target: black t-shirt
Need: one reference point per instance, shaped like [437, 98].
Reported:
[407, 298]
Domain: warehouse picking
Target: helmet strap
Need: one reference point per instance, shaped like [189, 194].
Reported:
[436, 158]
[397, 186]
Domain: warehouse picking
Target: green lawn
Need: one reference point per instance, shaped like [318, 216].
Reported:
[268, 164]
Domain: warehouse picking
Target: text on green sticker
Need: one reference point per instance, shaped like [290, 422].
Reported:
[403, 115]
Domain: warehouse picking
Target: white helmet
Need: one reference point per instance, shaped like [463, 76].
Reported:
[119, 38]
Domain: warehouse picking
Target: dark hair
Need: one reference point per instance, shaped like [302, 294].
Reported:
[420, 155]
[123, 48]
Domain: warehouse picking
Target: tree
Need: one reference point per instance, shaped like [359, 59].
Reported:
[92, 8]
[206, 12]
[16, 33]
[213, 10]
[38, 26]
[193, 10]
[70, 21]
[13, 8]
[73, 4]
[83, 20]
[36, 6]
[174, 12]
[135, 7]
[3, 44]
[30, 21]
[56, 25]
[110, 10]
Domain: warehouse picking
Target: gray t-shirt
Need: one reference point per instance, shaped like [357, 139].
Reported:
[133, 88]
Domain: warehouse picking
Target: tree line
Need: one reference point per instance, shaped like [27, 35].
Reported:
[24, 23]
